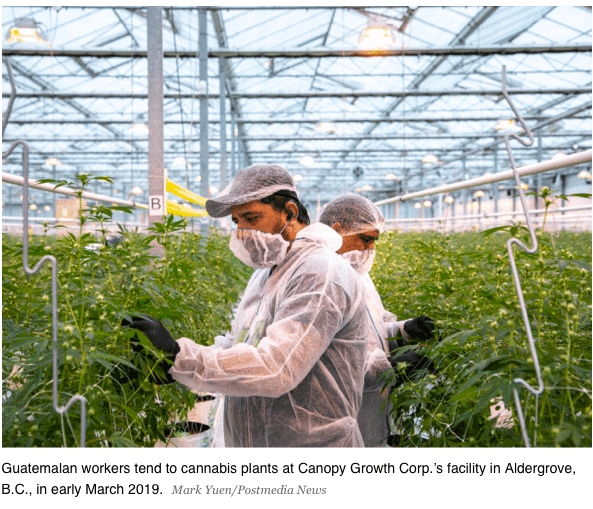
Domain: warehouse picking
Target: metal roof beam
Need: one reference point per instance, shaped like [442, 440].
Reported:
[369, 137]
[292, 121]
[309, 95]
[308, 53]
[386, 154]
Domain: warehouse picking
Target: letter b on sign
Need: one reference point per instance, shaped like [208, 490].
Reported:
[156, 205]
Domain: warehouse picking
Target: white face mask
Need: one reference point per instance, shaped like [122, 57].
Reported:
[258, 249]
[360, 261]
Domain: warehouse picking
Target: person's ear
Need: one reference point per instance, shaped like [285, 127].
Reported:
[292, 210]
[337, 227]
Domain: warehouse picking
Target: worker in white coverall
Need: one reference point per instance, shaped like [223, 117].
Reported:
[294, 375]
[360, 223]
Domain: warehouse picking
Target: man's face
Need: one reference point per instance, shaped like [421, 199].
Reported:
[258, 216]
[359, 241]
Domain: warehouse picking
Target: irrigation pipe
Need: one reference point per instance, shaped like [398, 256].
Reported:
[20, 181]
[532, 169]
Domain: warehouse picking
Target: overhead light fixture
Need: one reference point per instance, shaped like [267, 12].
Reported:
[33, 207]
[366, 188]
[377, 35]
[449, 199]
[326, 127]
[584, 175]
[558, 155]
[139, 129]
[307, 161]
[524, 186]
[479, 194]
[115, 191]
[179, 162]
[137, 190]
[52, 161]
[504, 124]
[25, 30]
[418, 206]
[430, 158]
[213, 190]
[47, 208]
[198, 178]
[298, 178]
[427, 203]
[390, 176]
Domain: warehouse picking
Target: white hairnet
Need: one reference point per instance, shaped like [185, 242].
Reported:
[252, 183]
[355, 214]
[294, 376]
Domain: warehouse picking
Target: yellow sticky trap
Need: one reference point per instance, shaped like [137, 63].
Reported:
[181, 210]
[186, 194]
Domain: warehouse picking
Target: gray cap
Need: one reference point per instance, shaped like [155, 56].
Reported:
[252, 183]
[355, 214]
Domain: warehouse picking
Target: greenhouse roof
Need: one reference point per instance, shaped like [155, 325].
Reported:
[302, 92]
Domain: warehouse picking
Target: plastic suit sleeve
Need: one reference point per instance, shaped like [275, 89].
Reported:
[396, 329]
[223, 342]
[304, 325]
[376, 363]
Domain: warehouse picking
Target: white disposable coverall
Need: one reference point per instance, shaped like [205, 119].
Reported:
[372, 419]
[295, 375]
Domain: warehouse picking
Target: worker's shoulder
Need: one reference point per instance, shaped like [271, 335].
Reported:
[334, 268]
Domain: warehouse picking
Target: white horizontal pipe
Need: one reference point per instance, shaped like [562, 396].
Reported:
[532, 169]
[19, 219]
[20, 181]
[486, 215]
[485, 220]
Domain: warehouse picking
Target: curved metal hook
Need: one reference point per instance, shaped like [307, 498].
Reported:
[531, 250]
[12, 96]
[54, 295]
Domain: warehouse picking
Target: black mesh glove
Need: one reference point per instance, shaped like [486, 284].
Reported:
[125, 374]
[161, 338]
[421, 328]
[155, 331]
[416, 367]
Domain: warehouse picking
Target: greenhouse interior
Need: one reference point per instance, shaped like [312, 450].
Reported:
[468, 127]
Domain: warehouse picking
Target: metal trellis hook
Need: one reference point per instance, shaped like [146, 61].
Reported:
[54, 294]
[531, 250]
[12, 96]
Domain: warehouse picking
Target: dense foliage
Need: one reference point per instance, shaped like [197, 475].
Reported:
[461, 280]
[192, 289]
[464, 282]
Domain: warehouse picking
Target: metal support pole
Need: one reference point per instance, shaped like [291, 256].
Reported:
[156, 152]
[495, 184]
[463, 193]
[540, 147]
[203, 76]
[55, 197]
[223, 145]
[233, 144]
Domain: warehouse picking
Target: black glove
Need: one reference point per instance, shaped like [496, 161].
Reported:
[421, 328]
[123, 373]
[155, 331]
[416, 367]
